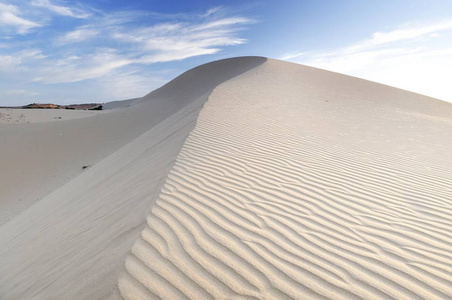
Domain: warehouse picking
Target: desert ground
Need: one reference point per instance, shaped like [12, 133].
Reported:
[42, 115]
[245, 178]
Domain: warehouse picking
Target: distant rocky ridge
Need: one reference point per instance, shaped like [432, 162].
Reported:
[84, 106]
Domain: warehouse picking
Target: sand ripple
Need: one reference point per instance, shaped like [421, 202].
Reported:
[262, 205]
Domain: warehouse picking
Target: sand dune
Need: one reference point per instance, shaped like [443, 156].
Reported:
[293, 182]
[300, 183]
[71, 244]
[36, 159]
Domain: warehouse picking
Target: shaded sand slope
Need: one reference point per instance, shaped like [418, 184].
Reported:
[120, 103]
[301, 183]
[35, 159]
[72, 243]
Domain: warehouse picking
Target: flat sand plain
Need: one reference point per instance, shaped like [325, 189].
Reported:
[30, 116]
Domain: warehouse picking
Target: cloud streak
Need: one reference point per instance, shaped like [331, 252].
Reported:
[144, 45]
[81, 34]
[61, 10]
[381, 38]
[104, 45]
[10, 18]
[416, 58]
[176, 41]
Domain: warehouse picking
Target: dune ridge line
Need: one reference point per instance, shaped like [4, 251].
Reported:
[300, 183]
[71, 244]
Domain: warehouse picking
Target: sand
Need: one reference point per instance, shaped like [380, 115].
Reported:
[71, 243]
[31, 116]
[120, 103]
[37, 159]
[299, 183]
[293, 182]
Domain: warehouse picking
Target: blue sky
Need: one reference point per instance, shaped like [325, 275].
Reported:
[97, 51]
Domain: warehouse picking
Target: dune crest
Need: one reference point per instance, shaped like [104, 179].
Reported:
[61, 150]
[301, 183]
[71, 244]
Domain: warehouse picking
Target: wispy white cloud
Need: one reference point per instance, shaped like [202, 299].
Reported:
[416, 58]
[176, 41]
[9, 62]
[176, 55]
[112, 45]
[410, 33]
[60, 9]
[81, 34]
[222, 23]
[74, 69]
[10, 18]
[212, 11]
[161, 42]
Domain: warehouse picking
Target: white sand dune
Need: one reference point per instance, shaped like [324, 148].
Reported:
[71, 244]
[38, 158]
[294, 183]
[301, 183]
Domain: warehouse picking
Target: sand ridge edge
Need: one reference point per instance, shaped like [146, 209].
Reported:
[71, 244]
[279, 193]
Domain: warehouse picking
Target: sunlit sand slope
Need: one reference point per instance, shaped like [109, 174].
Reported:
[300, 183]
